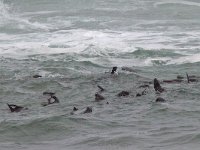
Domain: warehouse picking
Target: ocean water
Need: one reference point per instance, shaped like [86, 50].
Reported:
[72, 43]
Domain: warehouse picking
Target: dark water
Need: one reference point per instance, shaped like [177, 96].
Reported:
[72, 43]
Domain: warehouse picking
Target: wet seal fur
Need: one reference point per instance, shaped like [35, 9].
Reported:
[87, 110]
[49, 93]
[143, 93]
[52, 96]
[114, 70]
[37, 76]
[74, 110]
[123, 93]
[15, 108]
[160, 99]
[191, 78]
[101, 88]
[144, 86]
[98, 97]
[157, 86]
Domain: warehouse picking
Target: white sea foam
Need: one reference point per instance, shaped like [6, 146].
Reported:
[54, 36]
[94, 43]
[182, 2]
[186, 59]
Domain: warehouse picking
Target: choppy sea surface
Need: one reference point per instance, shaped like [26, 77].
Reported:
[71, 44]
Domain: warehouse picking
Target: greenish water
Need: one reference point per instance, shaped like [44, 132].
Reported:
[72, 44]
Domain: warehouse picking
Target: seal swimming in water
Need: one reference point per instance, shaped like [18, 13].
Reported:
[88, 110]
[144, 86]
[123, 93]
[74, 109]
[56, 100]
[180, 77]
[143, 93]
[157, 86]
[98, 97]
[15, 108]
[160, 99]
[37, 76]
[114, 70]
[191, 78]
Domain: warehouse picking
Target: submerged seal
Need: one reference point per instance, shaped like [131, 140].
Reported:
[88, 110]
[98, 97]
[49, 100]
[138, 95]
[160, 99]
[74, 109]
[37, 76]
[49, 93]
[180, 77]
[123, 93]
[173, 81]
[144, 86]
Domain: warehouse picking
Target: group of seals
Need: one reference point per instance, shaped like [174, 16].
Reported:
[17, 108]
[98, 97]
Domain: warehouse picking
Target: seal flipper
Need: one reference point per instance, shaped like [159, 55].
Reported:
[157, 86]
[49, 93]
[188, 78]
[10, 107]
[101, 88]
[75, 109]
[114, 69]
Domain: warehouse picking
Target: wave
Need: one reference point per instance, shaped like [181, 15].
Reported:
[182, 2]
[12, 22]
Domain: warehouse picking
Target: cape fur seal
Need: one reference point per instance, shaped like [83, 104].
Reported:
[49, 100]
[15, 108]
[157, 86]
[160, 99]
[123, 93]
[98, 97]
[114, 70]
